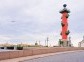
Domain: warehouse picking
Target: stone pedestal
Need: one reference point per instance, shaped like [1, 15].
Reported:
[63, 43]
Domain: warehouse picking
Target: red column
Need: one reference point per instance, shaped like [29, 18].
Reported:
[65, 14]
[65, 27]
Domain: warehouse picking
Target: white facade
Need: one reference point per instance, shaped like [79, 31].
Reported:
[81, 44]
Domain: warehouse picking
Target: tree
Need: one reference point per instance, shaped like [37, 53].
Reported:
[36, 43]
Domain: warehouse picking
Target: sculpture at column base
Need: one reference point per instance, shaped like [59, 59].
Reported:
[64, 43]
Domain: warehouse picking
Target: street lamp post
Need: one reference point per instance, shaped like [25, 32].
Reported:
[47, 40]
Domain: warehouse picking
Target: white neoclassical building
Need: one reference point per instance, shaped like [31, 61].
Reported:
[81, 44]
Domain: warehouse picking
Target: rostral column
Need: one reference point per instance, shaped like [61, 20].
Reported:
[64, 23]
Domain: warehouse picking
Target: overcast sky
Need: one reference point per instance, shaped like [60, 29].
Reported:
[28, 21]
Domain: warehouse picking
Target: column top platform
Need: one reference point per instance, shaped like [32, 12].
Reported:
[65, 9]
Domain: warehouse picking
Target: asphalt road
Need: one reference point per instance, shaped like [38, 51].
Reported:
[77, 56]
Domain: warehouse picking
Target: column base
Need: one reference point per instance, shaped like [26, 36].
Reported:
[64, 43]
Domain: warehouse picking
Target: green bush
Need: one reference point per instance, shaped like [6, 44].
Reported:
[19, 48]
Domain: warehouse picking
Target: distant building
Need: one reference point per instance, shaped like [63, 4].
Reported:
[81, 44]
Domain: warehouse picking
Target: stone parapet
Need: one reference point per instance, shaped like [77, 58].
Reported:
[35, 51]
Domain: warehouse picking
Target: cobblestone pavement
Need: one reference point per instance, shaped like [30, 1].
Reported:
[65, 57]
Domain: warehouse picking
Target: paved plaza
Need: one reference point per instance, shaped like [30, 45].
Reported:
[77, 56]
